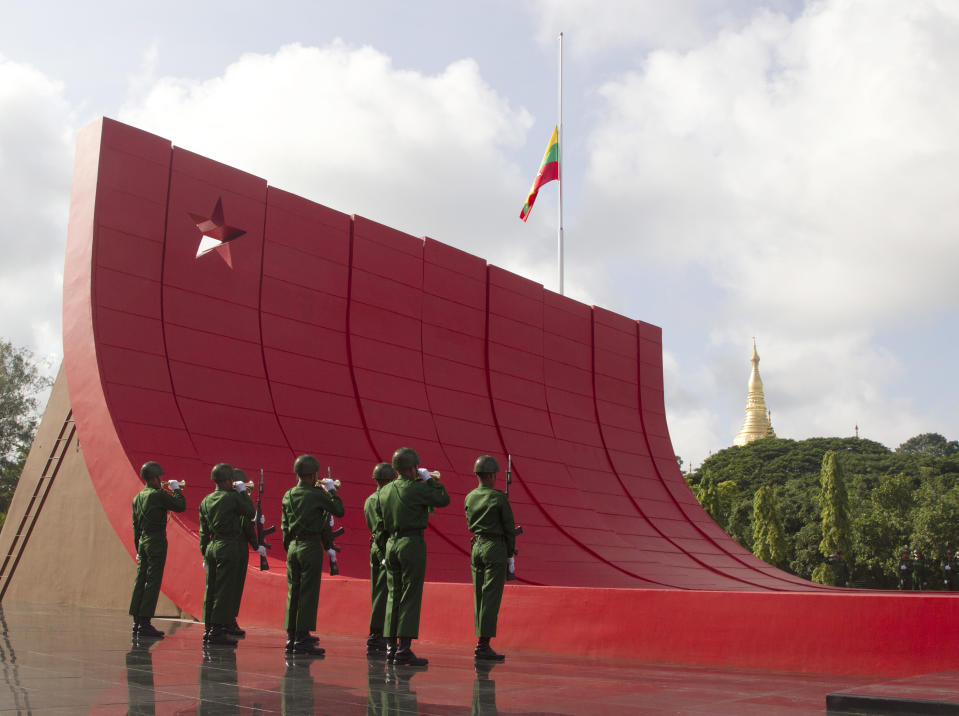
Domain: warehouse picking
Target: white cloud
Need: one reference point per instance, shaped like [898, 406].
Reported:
[36, 150]
[806, 164]
[428, 154]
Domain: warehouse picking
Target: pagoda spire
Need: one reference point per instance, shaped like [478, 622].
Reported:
[758, 421]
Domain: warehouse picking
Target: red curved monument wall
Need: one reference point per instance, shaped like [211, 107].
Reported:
[314, 331]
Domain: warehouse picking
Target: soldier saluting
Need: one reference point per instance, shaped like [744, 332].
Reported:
[404, 506]
[150, 507]
[220, 531]
[306, 511]
[490, 518]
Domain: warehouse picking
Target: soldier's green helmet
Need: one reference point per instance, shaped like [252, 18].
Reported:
[384, 472]
[405, 458]
[485, 463]
[306, 465]
[222, 472]
[150, 469]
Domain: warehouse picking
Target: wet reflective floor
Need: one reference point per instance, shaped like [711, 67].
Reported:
[68, 660]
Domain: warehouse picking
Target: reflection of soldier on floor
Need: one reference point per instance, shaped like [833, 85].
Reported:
[840, 568]
[296, 692]
[950, 570]
[484, 690]
[217, 692]
[140, 689]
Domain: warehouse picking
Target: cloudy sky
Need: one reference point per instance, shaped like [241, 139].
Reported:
[776, 169]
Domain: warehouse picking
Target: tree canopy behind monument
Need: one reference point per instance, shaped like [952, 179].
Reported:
[897, 499]
[20, 385]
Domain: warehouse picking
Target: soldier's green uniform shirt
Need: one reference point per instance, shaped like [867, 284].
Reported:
[306, 510]
[404, 507]
[220, 532]
[378, 588]
[490, 518]
[150, 507]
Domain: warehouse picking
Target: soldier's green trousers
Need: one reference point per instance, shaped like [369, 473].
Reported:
[405, 573]
[488, 560]
[146, 588]
[219, 599]
[304, 568]
[243, 559]
[378, 590]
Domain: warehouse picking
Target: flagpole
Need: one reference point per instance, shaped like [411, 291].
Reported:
[559, 238]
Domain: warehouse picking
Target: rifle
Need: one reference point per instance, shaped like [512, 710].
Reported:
[260, 531]
[511, 575]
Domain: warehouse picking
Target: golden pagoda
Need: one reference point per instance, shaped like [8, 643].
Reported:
[758, 421]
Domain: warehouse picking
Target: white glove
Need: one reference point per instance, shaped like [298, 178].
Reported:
[328, 483]
[262, 519]
[173, 484]
[511, 564]
[424, 474]
[383, 562]
[239, 486]
[262, 550]
[332, 553]
[138, 558]
[204, 565]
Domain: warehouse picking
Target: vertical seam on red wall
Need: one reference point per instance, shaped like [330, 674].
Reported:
[499, 432]
[349, 343]
[659, 476]
[426, 394]
[259, 321]
[166, 353]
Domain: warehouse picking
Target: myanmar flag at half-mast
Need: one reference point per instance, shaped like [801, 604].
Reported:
[548, 171]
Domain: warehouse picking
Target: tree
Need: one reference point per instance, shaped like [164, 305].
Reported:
[834, 507]
[20, 384]
[769, 540]
[929, 444]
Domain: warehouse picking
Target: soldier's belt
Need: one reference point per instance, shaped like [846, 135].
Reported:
[480, 539]
[406, 533]
[305, 536]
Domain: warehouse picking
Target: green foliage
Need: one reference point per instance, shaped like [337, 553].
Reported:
[769, 541]
[834, 508]
[907, 498]
[20, 382]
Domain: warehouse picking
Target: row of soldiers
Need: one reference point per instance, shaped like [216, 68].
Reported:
[397, 514]
[914, 573]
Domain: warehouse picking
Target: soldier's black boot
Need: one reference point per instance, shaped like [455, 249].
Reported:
[375, 643]
[148, 630]
[334, 568]
[390, 649]
[304, 644]
[484, 652]
[404, 654]
[219, 637]
[290, 640]
[234, 630]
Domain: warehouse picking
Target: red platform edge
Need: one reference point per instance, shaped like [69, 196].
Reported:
[327, 333]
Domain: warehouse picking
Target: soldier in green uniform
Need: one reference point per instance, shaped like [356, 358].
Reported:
[950, 570]
[490, 518]
[246, 540]
[220, 531]
[404, 507]
[384, 474]
[306, 508]
[150, 507]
